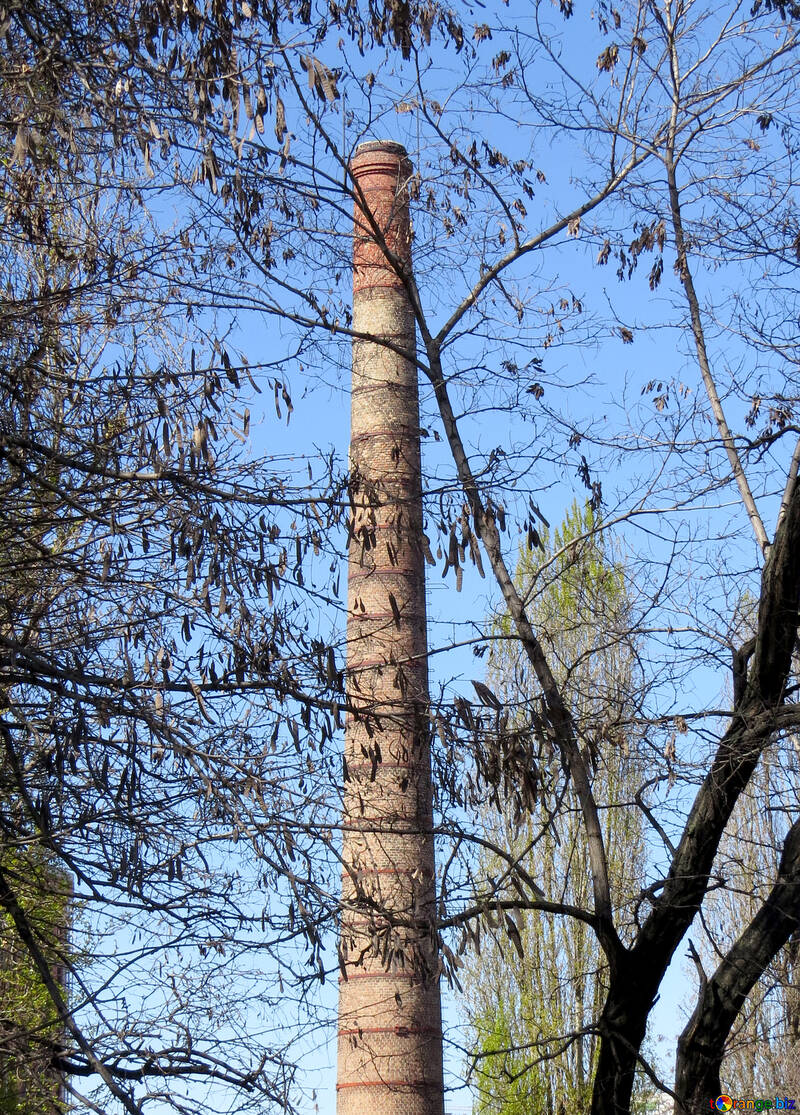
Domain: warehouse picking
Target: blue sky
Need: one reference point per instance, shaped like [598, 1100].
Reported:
[563, 365]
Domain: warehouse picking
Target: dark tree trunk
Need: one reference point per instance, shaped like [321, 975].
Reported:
[632, 992]
[623, 1025]
[701, 1046]
[637, 973]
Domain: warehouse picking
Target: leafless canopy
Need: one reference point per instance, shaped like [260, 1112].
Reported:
[606, 240]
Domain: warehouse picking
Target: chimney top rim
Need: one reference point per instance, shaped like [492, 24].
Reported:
[389, 146]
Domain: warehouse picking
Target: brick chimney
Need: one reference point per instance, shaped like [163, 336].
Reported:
[390, 1034]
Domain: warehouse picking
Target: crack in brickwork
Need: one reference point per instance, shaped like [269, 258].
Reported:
[390, 1031]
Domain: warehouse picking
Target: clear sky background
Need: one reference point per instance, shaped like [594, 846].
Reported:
[614, 350]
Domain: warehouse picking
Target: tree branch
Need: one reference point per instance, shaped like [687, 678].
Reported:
[561, 720]
[701, 1046]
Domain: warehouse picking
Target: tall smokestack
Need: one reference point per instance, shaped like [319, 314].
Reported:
[390, 1031]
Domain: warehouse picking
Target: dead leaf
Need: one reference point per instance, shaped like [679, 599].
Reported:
[320, 78]
[608, 59]
[280, 120]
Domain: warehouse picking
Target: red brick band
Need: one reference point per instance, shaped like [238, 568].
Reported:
[382, 482]
[378, 527]
[381, 264]
[359, 929]
[396, 712]
[400, 388]
[367, 765]
[381, 975]
[353, 924]
[381, 571]
[401, 1031]
[386, 871]
[389, 615]
[397, 431]
[378, 824]
[389, 280]
[374, 663]
[391, 1084]
[384, 721]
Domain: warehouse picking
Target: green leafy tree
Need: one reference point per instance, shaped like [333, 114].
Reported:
[32, 963]
[533, 1007]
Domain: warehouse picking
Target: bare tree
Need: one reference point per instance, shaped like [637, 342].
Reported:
[761, 1049]
[163, 698]
[141, 546]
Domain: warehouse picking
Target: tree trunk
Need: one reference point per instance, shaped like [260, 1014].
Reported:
[637, 974]
[622, 1028]
[701, 1046]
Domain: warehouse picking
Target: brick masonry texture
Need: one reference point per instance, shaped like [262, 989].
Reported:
[390, 1045]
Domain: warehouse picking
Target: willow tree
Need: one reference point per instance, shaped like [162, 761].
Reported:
[534, 1000]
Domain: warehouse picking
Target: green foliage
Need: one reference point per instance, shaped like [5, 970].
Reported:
[588, 577]
[532, 1011]
[30, 1025]
[524, 1085]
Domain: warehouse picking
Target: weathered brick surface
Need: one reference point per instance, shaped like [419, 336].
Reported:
[390, 1054]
